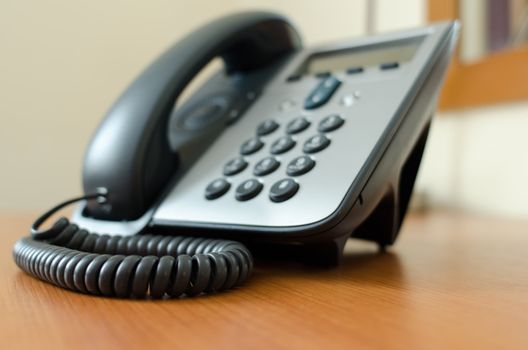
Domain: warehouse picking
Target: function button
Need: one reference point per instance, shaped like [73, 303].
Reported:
[283, 144]
[235, 166]
[283, 190]
[297, 125]
[293, 77]
[267, 127]
[322, 93]
[217, 188]
[248, 189]
[331, 123]
[251, 146]
[316, 143]
[300, 165]
[322, 74]
[354, 70]
[389, 65]
[266, 166]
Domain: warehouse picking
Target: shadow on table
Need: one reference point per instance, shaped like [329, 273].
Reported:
[362, 262]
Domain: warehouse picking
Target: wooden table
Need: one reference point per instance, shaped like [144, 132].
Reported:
[452, 281]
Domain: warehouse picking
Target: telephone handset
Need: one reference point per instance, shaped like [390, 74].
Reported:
[130, 155]
[283, 149]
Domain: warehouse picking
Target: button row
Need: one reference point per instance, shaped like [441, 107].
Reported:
[285, 143]
[349, 71]
[280, 191]
[299, 124]
[298, 166]
[314, 144]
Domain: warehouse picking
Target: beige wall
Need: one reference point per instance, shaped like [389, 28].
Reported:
[64, 62]
[477, 160]
[62, 65]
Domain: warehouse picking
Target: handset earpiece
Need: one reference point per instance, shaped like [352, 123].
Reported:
[129, 155]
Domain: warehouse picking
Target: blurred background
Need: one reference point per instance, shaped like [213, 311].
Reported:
[63, 63]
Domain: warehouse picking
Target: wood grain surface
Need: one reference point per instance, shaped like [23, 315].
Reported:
[452, 281]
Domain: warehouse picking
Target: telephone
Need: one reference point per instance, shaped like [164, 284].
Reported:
[284, 149]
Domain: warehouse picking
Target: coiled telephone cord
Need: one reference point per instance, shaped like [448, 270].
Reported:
[136, 266]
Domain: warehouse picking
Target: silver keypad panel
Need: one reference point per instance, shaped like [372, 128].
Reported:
[283, 164]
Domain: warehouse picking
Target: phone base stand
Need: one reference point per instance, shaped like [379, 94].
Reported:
[379, 210]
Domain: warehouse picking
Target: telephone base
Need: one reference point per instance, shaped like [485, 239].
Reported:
[373, 207]
[383, 223]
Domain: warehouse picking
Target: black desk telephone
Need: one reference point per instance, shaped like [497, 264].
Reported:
[284, 149]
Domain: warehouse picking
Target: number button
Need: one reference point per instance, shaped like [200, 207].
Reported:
[266, 166]
[282, 145]
[331, 123]
[217, 188]
[283, 190]
[248, 189]
[235, 166]
[297, 125]
[251, 146]
[300, 165]
[316, 143]
[267, 127]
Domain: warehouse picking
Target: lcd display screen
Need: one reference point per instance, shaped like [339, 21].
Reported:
[364, 56]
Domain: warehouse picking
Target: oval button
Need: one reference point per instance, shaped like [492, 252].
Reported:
[203, 113]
